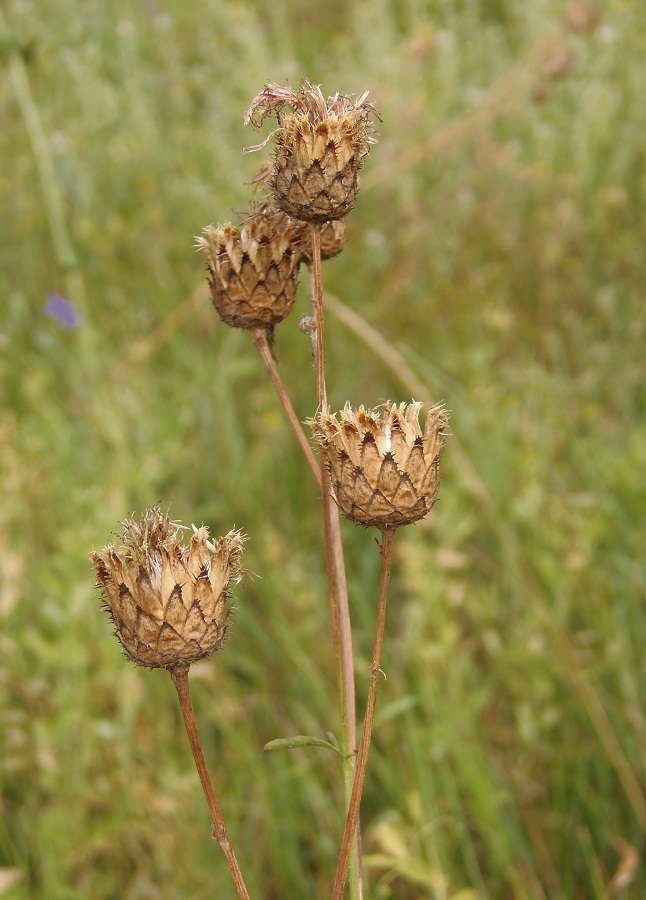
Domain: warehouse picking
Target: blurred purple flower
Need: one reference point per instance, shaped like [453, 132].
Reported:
[62, 311]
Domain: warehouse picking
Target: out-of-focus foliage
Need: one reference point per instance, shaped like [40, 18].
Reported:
[495, 261]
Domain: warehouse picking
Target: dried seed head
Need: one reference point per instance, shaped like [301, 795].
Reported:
[169, 603]
[332, 241]
[320, 148]
[253, 270]
[384, 471]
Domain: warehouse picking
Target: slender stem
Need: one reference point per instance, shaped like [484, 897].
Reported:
[317, 303]
[334, 607]
[342, 588]
[342, 595]
[348, 700]
[332, 512]
[342, 638]
[385, 551]
[340, 610]
[179, 674]
[260, 340]
[346, 631]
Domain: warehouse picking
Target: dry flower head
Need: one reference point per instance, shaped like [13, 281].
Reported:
[253, 270]
[169, 603]
[383, 469]
[333, 240]
[320, 147]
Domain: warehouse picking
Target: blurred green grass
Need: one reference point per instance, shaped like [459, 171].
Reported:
[497, 246]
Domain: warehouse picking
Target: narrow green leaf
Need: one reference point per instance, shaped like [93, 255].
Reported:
[300, 740]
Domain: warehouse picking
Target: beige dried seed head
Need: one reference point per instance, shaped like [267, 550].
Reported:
[332, 241]
[253, 270]
[320, 148]
[383, 469]
[169, 603]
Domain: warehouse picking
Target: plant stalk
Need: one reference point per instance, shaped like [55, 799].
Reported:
[340, 611]
[385, 551]
[260, 340]
[317, 308]
[179, 674]
[344, 606]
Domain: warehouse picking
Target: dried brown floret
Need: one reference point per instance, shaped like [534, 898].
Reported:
[332, 241]
[253, 270]
[169, 603]
[320, 147]
[383, 469]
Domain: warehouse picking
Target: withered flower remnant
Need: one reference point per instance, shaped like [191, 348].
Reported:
[320, 147]
[383, 469]
[169, 603]
[332, 241]
[253, 270]
[333, 232]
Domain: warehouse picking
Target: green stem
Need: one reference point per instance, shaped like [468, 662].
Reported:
[385, 551]
[179, 674]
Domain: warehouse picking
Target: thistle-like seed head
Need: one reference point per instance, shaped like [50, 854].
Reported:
[383, 469]
[253, 270]
[332, 241]
[169, 603]
[320, 148]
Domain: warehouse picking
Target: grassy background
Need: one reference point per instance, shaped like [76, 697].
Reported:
[497, 250]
